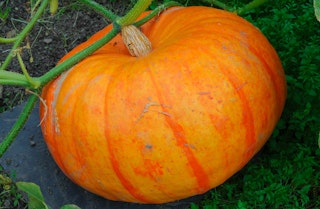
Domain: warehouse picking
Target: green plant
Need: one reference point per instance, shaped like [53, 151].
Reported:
[316, 5]
[4, 10]
[9, 194]
[36, 199]
[8, 101]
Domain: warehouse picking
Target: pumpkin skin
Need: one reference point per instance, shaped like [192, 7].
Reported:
[174, 123]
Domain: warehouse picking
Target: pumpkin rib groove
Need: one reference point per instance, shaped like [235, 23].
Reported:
[74, 132]
[133, 191]
[152, 169]
[95, 178]
[247, 116]
[215, 16]
[205, 108]
[50, 126]
[79, 160]
[265, 72]
[178, 132]
[58, 85]
[274, 76]
[226, 24]
[274, 79]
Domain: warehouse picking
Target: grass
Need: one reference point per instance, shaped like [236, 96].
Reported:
[286, 174]
[7, 102]
[4, 10]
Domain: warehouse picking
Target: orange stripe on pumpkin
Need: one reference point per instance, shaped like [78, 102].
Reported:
[197, 169]
[134, 192]
[274, 78]
[247, 117]
[125, 182]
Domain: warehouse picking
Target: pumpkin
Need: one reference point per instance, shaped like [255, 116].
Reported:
[173, 123]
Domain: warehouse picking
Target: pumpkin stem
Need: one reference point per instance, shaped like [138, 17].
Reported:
[136, 42]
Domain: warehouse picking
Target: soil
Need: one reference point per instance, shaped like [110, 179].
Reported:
[50, 39]
[28, 158]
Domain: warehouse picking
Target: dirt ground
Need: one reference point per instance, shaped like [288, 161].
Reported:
[52, 37]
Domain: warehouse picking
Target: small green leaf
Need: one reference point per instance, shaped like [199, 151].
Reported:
[70, 207]
[36, 199]
[316, 5]
[194, 206]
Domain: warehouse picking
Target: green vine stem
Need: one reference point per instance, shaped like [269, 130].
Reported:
[35, 84]
[240, 11]
[5, 144]
[156, 11]
[219, 4]
[134, 13]
[7, 40]
[24, 33]
[252, 5]
[100, 9]
[13, 78]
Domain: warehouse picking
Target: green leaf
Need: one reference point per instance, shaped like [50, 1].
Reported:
[319, 140]
[194, 206]
[36, 199]
[316, 5]
[70, 207]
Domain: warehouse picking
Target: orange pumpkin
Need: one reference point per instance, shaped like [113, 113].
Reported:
[174, 123]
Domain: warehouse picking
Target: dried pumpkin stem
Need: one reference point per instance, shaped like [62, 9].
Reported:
[137, 43]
